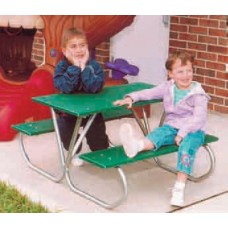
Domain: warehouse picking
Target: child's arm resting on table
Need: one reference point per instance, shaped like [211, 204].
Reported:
[126, 101]
[92, 77]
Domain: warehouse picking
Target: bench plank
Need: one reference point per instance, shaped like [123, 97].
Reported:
[46, 126]
[35, 128]
[115, 156]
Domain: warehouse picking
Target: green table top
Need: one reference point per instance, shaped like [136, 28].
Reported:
[83, 104]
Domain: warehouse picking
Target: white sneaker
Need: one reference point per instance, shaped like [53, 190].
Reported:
[177, 197]
[76, 161]
[129, 142]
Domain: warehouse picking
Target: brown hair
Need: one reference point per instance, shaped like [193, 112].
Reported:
[182, 55]
[70, 33]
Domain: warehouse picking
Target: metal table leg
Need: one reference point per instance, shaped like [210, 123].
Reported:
[60, 149]
[108, 205]
[73, 149]
[61, 153]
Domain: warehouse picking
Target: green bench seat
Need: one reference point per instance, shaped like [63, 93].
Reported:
[35, 128]
[115, 156]
[46, 126]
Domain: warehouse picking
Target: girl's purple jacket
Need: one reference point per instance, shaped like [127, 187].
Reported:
[188, 115]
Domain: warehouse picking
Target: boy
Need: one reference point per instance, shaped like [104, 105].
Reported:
[78, 73]
[185, 104]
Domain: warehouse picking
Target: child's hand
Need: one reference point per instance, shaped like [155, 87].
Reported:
[178, 140]
[69, 56]
[72, 58]
[84, 60]
[126, 101]
[76, 61]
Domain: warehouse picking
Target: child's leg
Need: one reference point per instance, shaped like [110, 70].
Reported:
[66, 125]
[96, 136]
[178, 190]
[186, 157]
[187, 151]
[160, 136]
[131, 144]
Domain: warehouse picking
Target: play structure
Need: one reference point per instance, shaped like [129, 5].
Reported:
[15, 101]
[16, 105]
[121, 68]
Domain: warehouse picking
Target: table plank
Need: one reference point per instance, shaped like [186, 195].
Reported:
[83, 104]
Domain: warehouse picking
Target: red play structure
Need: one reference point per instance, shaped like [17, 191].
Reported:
[16, 105]
[15, 101]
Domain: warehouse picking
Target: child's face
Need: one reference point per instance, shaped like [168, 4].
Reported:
[182, 74]
[77, 47]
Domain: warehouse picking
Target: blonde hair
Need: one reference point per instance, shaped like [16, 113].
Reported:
[182, 55]
[70, 33]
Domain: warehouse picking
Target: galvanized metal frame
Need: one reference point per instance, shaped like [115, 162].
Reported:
[45, 173]
[77, 189]
[105, 204]
[65, 163]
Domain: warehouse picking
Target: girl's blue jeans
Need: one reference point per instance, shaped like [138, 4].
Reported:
[166, 134]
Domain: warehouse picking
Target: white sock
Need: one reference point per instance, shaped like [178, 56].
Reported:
[179, 185]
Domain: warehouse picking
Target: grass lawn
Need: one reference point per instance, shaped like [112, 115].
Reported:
[12, 201]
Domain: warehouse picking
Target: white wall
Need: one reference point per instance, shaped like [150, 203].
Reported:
[145, 44]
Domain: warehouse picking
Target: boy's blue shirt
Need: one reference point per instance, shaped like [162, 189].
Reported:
[69, 78]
